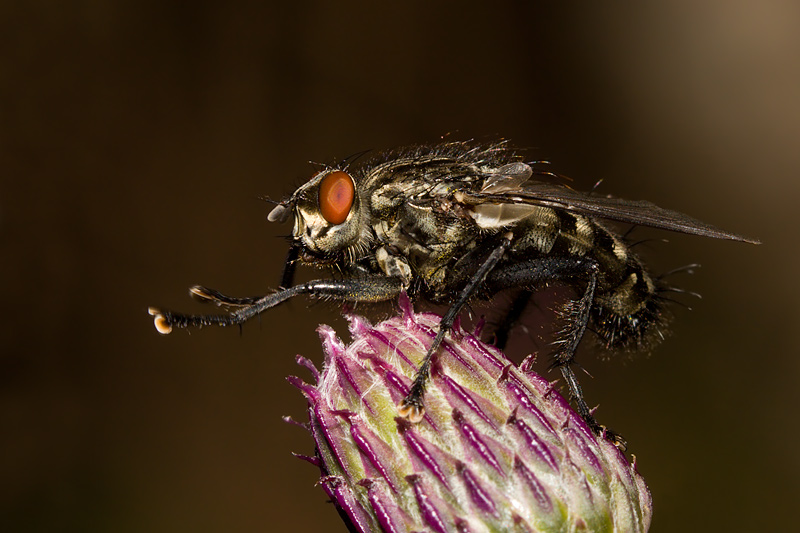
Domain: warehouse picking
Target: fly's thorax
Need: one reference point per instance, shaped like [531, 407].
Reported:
[393, 265]
[420, 221]
[329, 216]
[426, 241]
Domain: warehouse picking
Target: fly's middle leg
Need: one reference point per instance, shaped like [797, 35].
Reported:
[511, 317]
[411, 406]
[532, 273]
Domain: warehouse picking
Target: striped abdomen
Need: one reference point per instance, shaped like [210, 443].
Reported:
[627, 311]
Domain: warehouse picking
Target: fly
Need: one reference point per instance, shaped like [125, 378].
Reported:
[457, 222]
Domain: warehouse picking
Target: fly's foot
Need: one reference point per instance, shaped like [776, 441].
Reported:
[614, 438]
[161, 322]
[412, 409]
[604, 433]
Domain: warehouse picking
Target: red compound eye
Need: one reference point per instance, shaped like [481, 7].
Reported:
[336, 195]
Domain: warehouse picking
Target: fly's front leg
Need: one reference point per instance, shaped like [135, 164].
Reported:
[289, 267]
[412, 406]
[367, 289]
[576, 315]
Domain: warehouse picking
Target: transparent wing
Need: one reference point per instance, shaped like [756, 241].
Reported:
[506, 178]
[630, 211]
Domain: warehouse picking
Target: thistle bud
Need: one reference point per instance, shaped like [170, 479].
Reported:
[498, 448]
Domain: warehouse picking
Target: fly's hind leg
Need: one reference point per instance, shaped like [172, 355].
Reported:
[575, 314]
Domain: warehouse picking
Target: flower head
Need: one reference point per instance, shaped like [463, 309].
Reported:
[497, 450]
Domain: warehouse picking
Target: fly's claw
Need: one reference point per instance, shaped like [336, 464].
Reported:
[611, 436]
[615, 439]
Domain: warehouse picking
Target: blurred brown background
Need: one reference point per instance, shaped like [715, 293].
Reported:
[137, 136]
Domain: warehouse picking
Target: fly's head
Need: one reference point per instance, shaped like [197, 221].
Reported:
[329, 218]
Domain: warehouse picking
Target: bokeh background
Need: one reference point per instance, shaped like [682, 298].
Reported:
[136, 138]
